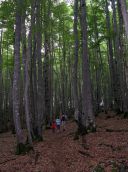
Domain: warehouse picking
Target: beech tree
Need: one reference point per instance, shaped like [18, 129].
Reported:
[16, 76]
[125, 14]
[87, 106]
[76, 50]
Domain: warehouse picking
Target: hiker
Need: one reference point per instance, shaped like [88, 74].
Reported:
[58, 123]
[53, 126]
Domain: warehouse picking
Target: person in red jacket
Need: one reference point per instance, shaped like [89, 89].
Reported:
[53, 126]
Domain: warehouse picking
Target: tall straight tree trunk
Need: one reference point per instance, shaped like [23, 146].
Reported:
[87, 107]
[98, 66]
[46, 61]
[118, 95]
[51, 70]
[63, 77]
[1, 83]
[75, 84]
[124, 88]
[70, 82]
[124, 14]
[26, 62]
[16, 77]
[34, 80]
[40, 77]
[33, 69]
[110, 59]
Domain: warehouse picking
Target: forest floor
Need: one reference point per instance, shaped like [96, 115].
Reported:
[108, 147]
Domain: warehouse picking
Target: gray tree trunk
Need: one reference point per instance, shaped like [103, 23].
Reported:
[46, 62]
[40, 77]
[26, 62]
[33, 70]
[75, 84]
[125, 14]
[87, 107]
[110, 57]
[124, 89]
[16, 76]
[1, 83]
[117, 101]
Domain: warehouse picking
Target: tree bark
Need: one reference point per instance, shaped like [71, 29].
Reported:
[31, 52]
[87, 107]
[1, 83]
[40, 77]
[26, 62]
[75, 84]
[46, 62]
[125, 14]
[124, 89]
[117, 100]
[110, 57]
[16, 76]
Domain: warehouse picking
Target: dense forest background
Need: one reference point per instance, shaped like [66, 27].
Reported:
[61, 57]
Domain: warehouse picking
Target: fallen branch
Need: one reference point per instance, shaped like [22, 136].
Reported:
[71, 134]
[7, 160]
[112, 147]
[107, 145]
[119, 130]
[85, 154]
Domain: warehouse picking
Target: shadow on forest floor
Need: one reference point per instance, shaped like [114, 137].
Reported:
[108, 149]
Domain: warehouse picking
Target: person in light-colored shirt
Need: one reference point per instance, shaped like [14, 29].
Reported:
[58, 122]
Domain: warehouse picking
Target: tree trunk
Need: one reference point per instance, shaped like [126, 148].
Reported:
[124, 89]
[110, 59]
[26, 62]
[16, 77]
[117, 100]
[87, 107]
[33, 71]
[1, 84]
[46, 63]
[75, 84]
[125, 14]
[40, 77]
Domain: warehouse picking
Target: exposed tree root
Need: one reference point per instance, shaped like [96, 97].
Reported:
[7, 160]
[85, 154]
[112, 130]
